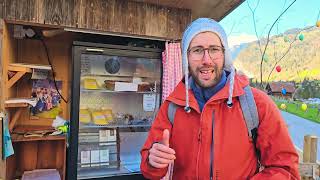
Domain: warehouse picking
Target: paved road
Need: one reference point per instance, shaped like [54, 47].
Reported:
[298, 127]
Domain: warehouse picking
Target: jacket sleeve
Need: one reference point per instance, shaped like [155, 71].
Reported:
[278, 154]
[160, 123]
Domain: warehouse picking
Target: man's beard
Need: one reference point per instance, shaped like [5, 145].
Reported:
[211, 83]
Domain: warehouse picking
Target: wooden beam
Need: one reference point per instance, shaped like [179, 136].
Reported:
[15, 78]
[17, 68]
[27, 67]
[14, 119]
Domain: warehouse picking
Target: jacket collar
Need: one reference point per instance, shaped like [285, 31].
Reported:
[178, 96]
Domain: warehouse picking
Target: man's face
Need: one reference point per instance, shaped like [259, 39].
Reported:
[206, 65]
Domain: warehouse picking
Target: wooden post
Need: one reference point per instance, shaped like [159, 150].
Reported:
[2, 90]
[309, 169]
[306, 148]
[310, 149]
[314, 149]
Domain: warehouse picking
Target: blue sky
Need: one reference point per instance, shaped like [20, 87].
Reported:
[239, 24]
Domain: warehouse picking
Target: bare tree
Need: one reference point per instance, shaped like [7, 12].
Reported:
[235, 24]
[268, 39]
[263, 53]
[287, 51]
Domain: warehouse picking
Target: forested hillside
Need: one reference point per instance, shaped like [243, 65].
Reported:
[301, 62]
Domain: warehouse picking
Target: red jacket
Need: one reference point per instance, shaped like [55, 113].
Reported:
[234, 154]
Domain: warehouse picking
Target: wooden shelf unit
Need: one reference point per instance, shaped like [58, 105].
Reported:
[20, 57]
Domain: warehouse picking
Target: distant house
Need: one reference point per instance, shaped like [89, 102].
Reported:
[276, 88]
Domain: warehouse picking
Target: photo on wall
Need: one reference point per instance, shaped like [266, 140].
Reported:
[48, 98]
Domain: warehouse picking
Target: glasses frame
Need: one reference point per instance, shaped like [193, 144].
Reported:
[222, 50]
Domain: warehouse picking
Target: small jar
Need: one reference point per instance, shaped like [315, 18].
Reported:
[107, 112]
[84, 115]
[98, 117]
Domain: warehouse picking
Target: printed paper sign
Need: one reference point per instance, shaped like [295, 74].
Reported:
[85, 159]
[149, 102]
[95, 157]
[39, 74]
[104, 156]
[107, 137]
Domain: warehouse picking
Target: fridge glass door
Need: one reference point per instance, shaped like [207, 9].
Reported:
[119, 98]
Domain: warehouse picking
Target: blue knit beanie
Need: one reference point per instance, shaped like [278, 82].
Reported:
[206, 25]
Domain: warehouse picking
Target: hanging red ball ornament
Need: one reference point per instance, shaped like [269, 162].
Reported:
[278, 68]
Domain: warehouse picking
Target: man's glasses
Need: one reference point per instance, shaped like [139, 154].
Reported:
[197, 52]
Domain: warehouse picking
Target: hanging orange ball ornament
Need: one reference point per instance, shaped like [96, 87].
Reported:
[318, 23]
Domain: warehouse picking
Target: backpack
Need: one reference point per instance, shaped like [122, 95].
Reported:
[250, 114]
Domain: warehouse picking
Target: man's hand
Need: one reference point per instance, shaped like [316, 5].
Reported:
[160, 154]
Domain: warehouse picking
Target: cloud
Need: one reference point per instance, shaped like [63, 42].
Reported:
[242, 38]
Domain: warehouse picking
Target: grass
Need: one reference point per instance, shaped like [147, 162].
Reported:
[294, 107]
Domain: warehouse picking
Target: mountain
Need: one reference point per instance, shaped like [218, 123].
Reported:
[298, 59]
[235, 50]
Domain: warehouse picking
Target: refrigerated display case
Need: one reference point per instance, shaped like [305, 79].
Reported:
[115, 97]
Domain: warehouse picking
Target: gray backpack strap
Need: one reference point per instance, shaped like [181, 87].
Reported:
[172, 111]
[250, 112]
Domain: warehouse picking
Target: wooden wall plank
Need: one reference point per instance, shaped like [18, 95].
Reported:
[115, 16]
[1, 73]
[95, 16]
[24, 10]
[53, 12]
[155, 20]
[175, 24]
[28, 151]
[2, 8]
[10, 9]
[107, 20]
[11, 162]
[69, 17]
[2, 162]
[40, 16]
[135, 12]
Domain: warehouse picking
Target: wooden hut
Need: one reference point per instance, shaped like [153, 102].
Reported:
[281, 89]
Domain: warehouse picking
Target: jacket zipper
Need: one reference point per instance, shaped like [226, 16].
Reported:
[212, 150]
[217, 175]
[198, 155]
